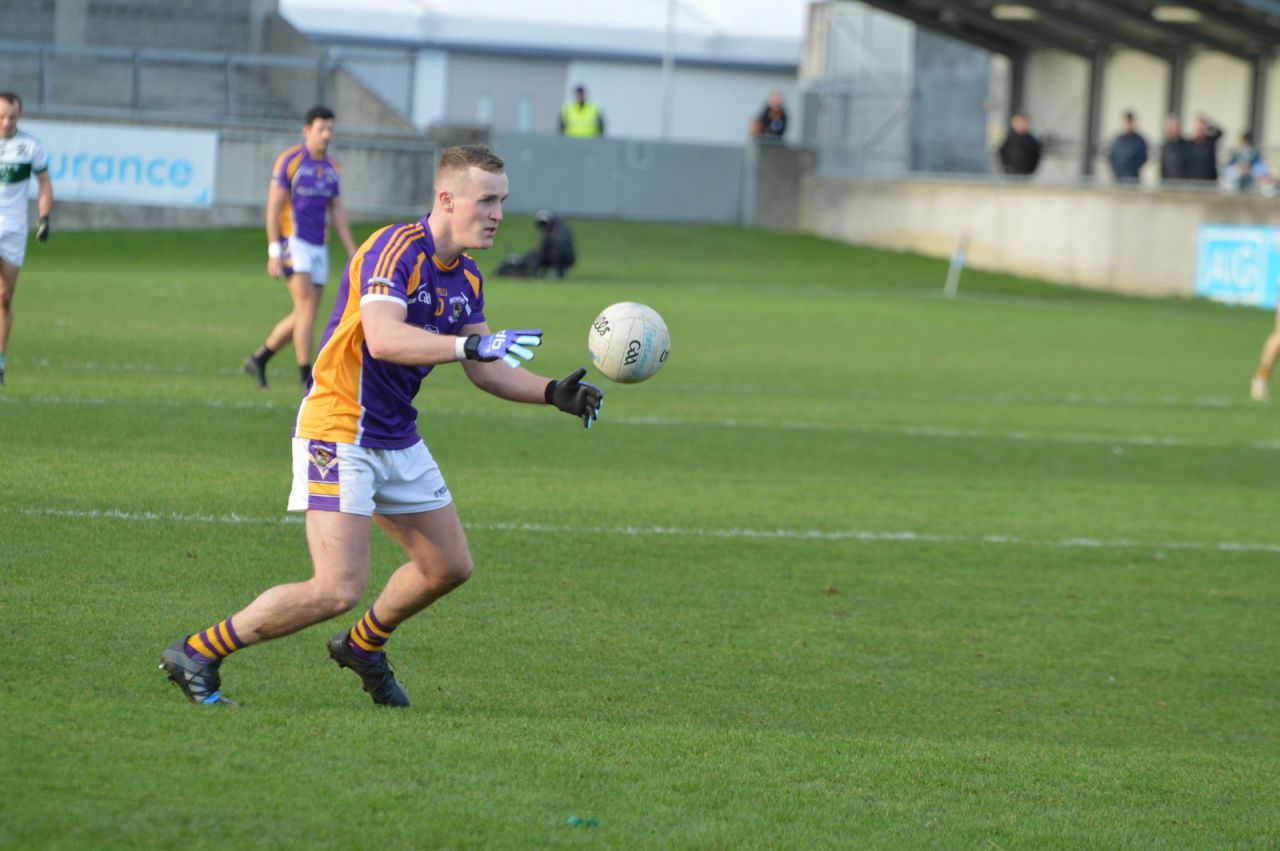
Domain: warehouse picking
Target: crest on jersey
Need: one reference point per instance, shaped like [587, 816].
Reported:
[323, 460]
[458, 304]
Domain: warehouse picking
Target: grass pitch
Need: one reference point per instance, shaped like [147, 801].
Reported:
[861, 567]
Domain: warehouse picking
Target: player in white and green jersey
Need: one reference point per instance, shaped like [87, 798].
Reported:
[21, 156]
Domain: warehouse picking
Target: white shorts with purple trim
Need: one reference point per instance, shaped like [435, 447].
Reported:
[357, 480]
[305, 258]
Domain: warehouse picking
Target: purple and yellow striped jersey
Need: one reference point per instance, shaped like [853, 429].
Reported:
[355, 398]
[310, 185]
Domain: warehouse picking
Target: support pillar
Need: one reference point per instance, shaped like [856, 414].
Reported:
[1177, 82]
[1093, 113]
[1258, 98]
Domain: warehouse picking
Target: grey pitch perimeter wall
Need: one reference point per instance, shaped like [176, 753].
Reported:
[620, 179]
[388, 177]
[382, 177]
[1130, 240]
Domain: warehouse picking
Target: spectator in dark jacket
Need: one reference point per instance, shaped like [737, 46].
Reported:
[771, 124]
[1174, 152]
[1020, 152]
[553, 256]
[1202, 151]
[1128, 152]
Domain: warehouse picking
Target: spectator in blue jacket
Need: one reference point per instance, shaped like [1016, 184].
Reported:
[1128, 151]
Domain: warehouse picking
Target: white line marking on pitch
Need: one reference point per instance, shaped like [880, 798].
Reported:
[1071, 399]
[1118, 440]
[685, 532]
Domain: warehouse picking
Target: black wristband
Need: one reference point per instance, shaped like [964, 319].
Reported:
[550, 391]
[471, 348]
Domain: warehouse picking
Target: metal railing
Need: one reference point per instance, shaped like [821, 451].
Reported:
[206, 87]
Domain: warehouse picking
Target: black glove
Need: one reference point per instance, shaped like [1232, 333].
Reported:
[572, 396]
[42, 230]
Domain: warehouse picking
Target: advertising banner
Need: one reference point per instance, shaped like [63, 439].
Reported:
[1239, 264]
[111, 163]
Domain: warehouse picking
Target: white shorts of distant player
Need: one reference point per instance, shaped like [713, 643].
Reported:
[305, 258]
[356, 480]
[13, 239]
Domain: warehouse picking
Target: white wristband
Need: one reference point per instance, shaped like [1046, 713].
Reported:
[460, 348]
[274, 251]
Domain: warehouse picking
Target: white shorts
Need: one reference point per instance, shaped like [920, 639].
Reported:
[356, 480]
[304, 258]
[13, 241]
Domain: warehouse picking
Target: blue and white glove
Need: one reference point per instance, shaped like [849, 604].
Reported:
[511, 346]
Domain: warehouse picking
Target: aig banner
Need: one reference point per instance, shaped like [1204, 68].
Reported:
[111, 163]
[1239, 264]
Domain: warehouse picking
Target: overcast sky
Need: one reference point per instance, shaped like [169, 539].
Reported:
[777, 18]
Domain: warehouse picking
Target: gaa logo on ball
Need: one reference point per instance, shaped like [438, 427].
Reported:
[628, 342]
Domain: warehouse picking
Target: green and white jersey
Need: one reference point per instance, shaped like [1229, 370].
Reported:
[21, 155]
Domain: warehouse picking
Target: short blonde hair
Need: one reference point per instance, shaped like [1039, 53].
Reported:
[463, 157]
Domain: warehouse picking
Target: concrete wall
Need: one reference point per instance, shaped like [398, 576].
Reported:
[390, 179]
[771, 179]
[1127, 240]
[382, 179]
[612, 178]
[351, 100]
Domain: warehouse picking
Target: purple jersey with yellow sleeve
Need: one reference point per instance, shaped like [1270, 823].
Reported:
[309, 185]
[355, 398]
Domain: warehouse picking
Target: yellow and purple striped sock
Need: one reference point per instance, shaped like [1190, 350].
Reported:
[369, 637]
[217, 642]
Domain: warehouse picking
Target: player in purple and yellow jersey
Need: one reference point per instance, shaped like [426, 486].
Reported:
[410, 300]
[302, 193]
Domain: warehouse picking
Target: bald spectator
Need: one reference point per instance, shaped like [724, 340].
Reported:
[1202, 151]
[771, 123]
[1020, 152]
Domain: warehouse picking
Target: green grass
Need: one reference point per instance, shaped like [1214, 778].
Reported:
[819, 584]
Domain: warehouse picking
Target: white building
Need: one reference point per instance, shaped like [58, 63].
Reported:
[513, 76]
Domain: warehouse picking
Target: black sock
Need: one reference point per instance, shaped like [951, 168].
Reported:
[304, 372]
[262, 355]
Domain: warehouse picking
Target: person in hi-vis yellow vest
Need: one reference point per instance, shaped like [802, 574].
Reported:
[581, 118]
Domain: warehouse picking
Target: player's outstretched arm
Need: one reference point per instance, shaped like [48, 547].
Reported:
[574, 396]
[389, 338]
[492, 372]
[570, 394]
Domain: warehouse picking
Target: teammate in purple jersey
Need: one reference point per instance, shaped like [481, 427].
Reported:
[304, 190]
[410, 300]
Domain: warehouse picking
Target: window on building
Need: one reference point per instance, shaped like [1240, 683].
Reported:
[524, 114]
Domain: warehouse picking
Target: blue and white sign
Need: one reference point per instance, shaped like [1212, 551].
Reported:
[1239, 264]
[111, 163]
